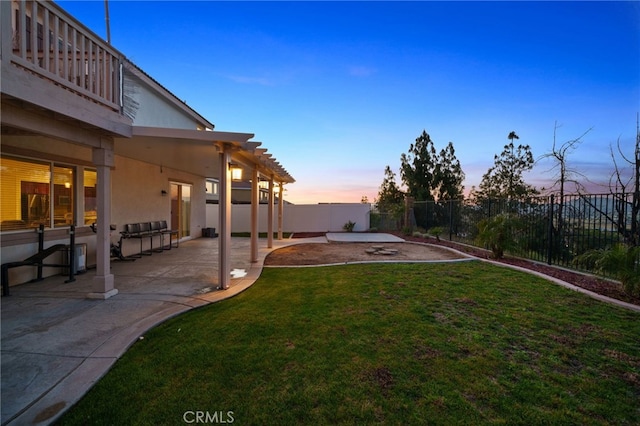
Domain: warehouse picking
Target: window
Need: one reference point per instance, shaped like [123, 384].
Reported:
[35, 192]
[212, 187]
[90, 194]
[62, 196]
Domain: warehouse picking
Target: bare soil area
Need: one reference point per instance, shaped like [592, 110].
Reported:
[329, 253]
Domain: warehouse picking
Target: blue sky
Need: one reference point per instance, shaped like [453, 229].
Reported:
[338, 90]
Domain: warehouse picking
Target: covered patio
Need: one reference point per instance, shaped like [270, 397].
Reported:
[227, 156]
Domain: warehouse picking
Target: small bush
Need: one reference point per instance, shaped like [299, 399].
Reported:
[349, 226]
[436, 231]
[498, 234]
[620, 261]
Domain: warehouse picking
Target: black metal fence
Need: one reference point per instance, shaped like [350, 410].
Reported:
[547, 229]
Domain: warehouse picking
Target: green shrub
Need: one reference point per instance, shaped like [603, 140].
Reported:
[436, 231]
[620, 261]
[498, 234]
[349, 226]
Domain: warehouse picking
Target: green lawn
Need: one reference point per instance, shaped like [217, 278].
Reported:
[463, 343]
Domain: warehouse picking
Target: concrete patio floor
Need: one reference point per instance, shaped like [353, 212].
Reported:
[56, 343]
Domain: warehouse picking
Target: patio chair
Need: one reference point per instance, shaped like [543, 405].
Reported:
[164, 230]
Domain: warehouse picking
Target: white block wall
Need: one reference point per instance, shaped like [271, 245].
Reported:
[296, 217]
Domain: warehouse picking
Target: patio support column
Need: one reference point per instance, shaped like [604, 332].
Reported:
[270, 215]
[103, 282]
[255, 204]
[280, 209]
[224, 248]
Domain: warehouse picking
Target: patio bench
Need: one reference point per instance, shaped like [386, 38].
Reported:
[149, 230]
[140, 231]
[164, 230]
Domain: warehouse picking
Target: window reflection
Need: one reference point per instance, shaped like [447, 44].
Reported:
[37, 192]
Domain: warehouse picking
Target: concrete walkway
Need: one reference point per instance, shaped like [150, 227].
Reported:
[56, 343]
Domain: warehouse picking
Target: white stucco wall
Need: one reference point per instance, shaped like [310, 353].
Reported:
[154, 110]
[296, 217]
[137, 196]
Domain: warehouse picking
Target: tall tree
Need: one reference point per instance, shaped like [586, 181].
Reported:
[506, 178]
[417, 168]
[448, 175]
[390, 197]
[512, 135]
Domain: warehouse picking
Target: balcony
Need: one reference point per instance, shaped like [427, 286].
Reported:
[43, 46]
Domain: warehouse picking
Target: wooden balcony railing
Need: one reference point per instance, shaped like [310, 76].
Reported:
[53, 45]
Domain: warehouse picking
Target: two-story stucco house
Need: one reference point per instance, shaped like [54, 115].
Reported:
[88, 137]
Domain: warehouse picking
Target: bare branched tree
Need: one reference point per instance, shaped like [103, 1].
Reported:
[623, 184]
[563, 173]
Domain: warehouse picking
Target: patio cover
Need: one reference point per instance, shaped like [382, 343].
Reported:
[196, 151]
[210, 154]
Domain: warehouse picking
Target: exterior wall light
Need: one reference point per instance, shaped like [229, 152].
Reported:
[236, 172]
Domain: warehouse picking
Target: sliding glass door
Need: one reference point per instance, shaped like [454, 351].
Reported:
[181, 208]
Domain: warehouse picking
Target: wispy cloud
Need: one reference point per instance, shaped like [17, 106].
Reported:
[262, 81]
[361, 71]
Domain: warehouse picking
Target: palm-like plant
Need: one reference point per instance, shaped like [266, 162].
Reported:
[498, 233]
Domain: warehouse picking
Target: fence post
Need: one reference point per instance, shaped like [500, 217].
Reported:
[426, 214]
[450, 220]
[550, 239]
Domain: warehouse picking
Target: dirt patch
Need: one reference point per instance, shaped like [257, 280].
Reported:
[328, 253]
